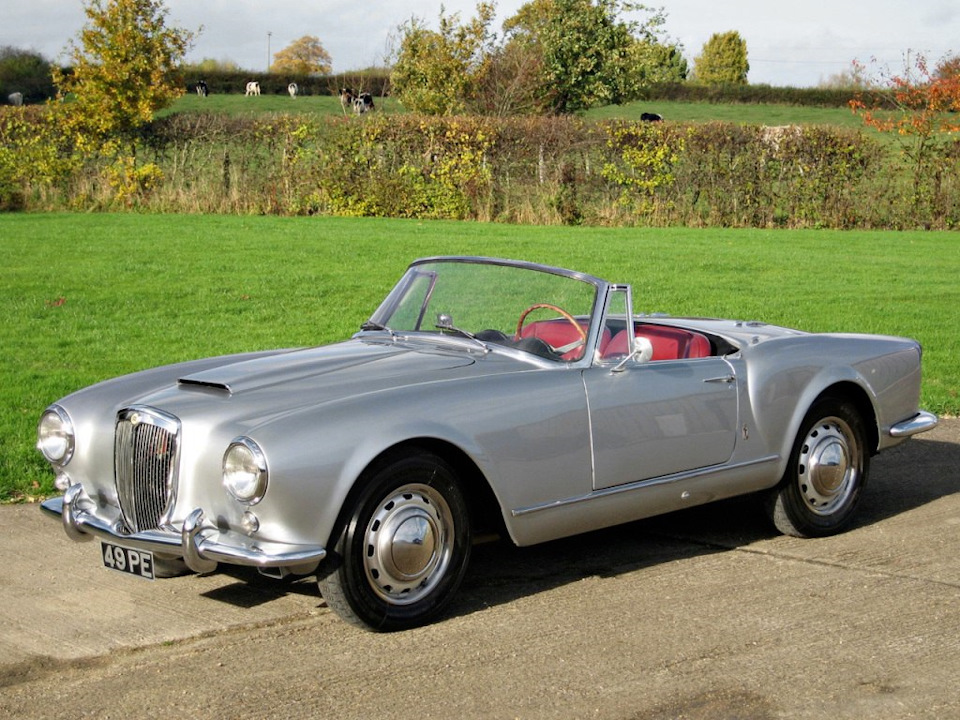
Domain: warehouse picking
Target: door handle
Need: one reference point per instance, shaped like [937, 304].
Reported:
[722, 379]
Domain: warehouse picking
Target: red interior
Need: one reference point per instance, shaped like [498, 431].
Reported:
[668, 343]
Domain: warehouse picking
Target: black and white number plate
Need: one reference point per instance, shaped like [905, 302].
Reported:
[128, 560]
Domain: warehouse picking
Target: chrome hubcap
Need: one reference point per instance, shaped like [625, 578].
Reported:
[829, 465]
[408, 544]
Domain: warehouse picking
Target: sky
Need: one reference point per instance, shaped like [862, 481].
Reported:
[798, 44]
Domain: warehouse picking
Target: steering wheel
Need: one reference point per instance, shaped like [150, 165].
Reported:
[565, 315]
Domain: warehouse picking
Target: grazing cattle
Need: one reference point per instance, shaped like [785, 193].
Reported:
[15, 99]
[202, 89]
[346, 98]
[253, 88]
[651, 117]
[363, 103]
[293, 90]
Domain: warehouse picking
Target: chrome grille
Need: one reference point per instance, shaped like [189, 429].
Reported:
[146, 456]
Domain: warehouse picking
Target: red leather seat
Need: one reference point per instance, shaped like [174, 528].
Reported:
[668, 343]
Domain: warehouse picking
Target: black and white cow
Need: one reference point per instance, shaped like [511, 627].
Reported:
[15, 99]
[363, 103]
[293, 90]
[253, 88]
[651, 117]
[202, 89]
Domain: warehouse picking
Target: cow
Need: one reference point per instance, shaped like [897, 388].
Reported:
[202, 89]
[253, 88]
[651, 117]
[363, 103]
[293, 90]
[346, 98]
[15, 99]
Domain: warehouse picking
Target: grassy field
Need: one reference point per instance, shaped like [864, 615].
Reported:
[237, 103]
[87, 297]
[685, 112]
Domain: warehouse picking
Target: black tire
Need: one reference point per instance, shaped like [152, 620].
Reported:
[403, 548]
[826, 473]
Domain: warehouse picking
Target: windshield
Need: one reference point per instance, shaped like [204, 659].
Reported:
[535, 309]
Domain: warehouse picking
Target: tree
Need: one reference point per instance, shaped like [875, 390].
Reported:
[25, 72]
[948, 67]
[723, 60]
[590, 55]
[437, 72]
[583, 47]
[305, 56]
[123, 70]
[920, 109]
[651, 61]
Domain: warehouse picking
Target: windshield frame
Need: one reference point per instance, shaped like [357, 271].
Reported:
[380, 318]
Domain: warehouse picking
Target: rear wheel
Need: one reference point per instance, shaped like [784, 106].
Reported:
[403, 549]
[826, 473]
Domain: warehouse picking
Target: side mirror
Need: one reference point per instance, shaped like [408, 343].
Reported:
[642, 353]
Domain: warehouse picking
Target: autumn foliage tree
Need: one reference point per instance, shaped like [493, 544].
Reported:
[305, 56]
[436, 72]
[920, 108]
[123, 70]
[723, 60]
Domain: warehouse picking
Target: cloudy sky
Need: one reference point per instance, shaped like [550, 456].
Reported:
[795, 43]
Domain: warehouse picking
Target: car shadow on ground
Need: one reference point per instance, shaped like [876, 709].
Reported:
[902, 479]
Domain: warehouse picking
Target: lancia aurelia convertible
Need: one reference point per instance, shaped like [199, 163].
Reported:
[483, 396]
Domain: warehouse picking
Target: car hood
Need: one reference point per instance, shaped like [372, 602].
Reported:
[332, 370]
[258, 388]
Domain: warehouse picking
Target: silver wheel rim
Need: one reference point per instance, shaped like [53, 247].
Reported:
[829, 466]
[408, 544]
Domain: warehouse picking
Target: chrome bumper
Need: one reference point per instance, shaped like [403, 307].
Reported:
[201, 544]
[921, 422]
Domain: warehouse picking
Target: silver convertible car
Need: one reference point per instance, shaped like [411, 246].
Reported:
[483, 396]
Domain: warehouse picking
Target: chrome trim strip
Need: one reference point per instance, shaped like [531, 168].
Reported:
[921, 422]
[629, 487]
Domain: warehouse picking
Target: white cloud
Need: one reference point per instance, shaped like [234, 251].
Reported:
[788, 43]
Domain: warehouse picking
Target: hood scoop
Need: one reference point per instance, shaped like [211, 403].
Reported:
[196, 381]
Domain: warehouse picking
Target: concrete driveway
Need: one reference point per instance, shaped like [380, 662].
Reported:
[700, 614]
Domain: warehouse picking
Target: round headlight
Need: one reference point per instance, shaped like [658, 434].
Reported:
[245, 471]
[55, 436]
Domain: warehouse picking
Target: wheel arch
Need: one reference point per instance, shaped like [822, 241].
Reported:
[860, 399]
[485, 511]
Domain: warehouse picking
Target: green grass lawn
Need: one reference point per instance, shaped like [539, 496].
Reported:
[673, 111]
[749, 114]
[237, 103]
[87, 297]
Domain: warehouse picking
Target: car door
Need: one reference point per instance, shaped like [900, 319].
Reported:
[659, 418]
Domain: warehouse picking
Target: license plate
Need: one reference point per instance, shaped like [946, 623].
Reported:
[127, 560]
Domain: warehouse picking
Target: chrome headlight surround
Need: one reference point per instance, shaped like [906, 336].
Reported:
[245, 471]
[56, 438]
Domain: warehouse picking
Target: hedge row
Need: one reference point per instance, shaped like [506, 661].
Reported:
[526, 170]
[375, 82]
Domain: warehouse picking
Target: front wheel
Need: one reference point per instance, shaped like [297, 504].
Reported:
[826, 473]
[403, 549]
